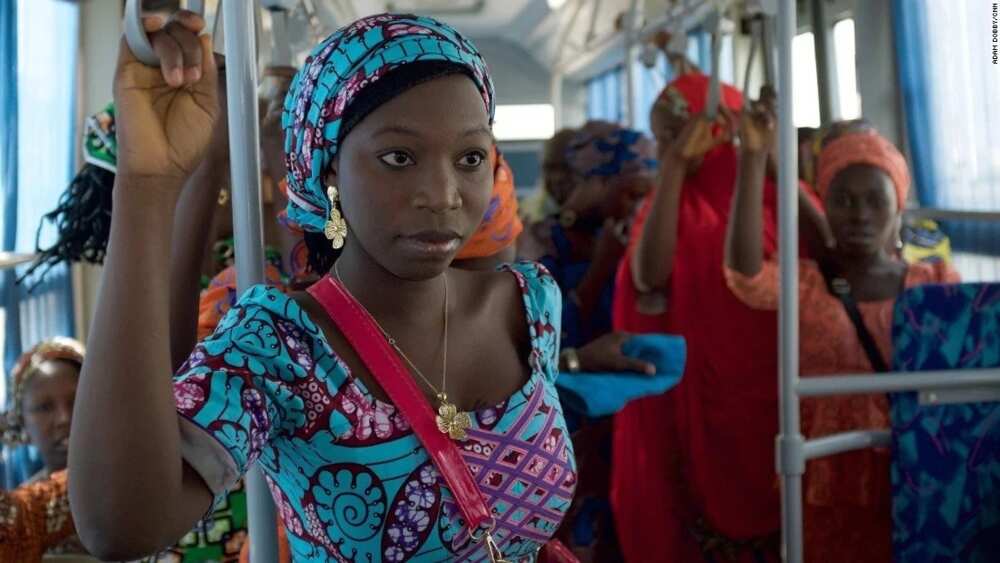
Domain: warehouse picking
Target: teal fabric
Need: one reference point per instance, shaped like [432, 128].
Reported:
[946, 458]
[352, 481]
[602, 394]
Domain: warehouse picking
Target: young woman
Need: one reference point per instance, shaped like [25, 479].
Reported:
[395, 112]
[35, 518]
[863, 181]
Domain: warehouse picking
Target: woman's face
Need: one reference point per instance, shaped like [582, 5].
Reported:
[862, 210]
[665, 122]
[47, 407]
[414, 176]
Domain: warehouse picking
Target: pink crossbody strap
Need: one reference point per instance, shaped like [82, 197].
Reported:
[386, 367]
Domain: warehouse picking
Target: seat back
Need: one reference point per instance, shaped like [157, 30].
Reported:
[946, 452]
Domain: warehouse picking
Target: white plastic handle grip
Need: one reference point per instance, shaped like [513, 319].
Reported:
[135, 33]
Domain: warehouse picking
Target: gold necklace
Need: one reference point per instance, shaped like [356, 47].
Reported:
[449, 420]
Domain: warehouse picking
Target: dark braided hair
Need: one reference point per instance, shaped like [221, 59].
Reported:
[83, 223]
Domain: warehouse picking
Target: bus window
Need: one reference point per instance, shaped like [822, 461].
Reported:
[524, 122]
[804, 85]
[847, 78]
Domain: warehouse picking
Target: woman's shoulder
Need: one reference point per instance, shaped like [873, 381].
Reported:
[523, 285]
[538, 288]
[267, 331]
[276, 303]
[931, 272]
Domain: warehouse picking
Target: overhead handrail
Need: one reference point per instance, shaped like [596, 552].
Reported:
[142, 48]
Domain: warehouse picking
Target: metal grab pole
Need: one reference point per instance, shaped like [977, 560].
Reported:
[790, 444]
[632, 22]
[241, 80]
[826, 65]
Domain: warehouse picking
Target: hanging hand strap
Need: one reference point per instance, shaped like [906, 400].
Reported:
[135, 33]
[364, 336]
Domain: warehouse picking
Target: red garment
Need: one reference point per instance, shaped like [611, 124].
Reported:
[705, 450]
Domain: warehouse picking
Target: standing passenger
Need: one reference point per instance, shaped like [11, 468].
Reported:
[864, 182]
[693, 470]
[35, 518]
[395, 112]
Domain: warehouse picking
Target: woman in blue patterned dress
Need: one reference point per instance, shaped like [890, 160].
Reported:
[396, 112]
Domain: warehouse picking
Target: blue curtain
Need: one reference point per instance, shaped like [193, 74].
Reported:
[8, 168]
[604, 96]
[650, 83]
[949, 89]
[910, 26]
[38, 53]
[8, 184]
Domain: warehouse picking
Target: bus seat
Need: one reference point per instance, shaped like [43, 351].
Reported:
[946, 444]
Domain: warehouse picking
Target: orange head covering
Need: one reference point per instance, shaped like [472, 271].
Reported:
[501, 225]
[863, 147]
[58, 348]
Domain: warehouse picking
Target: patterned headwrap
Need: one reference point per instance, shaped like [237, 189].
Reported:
[339, 69]
[100, 141]
[687, 95]
[605, 149]
[501, 225]
[59, 348]
[863, 147]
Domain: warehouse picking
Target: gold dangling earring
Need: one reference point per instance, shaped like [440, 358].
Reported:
[336, 226]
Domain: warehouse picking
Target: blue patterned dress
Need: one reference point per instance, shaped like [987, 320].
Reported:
[351, 480]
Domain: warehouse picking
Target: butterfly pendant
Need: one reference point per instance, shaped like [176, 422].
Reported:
[452, 422]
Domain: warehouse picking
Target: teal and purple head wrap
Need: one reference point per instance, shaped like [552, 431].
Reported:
[320, 108]
[606, 149]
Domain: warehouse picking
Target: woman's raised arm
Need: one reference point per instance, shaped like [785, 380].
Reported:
[744, 236]
[131, 492]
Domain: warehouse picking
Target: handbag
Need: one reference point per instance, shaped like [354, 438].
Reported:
[361, 332]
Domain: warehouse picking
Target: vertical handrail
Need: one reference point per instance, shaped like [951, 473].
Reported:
[631, 22]
[790, 455]
[714, 27]
[556, 94]
[241, 80]
[755, 38]
[826, 68]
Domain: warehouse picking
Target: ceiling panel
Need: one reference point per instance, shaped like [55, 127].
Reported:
[475, 18]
